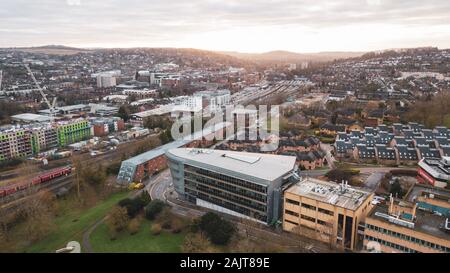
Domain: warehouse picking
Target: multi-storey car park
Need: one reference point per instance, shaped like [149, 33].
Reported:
[246, 185]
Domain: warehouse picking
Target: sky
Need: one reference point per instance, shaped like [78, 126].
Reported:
[228, 25]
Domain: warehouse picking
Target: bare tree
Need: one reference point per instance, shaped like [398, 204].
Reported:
[38, 212]
[117, 219]
[197, 243]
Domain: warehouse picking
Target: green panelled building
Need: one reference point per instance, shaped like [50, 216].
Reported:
[23, 142]
[73, 132]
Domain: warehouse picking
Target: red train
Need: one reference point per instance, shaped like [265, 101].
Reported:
[42, 178]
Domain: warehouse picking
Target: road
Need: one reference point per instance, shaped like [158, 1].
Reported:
[327, 148]
[374, 180]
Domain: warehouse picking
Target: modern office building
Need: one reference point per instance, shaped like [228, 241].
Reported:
[418, 225]
[329, 212]
[247, 185]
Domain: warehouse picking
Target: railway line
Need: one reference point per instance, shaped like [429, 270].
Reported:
[12, 202]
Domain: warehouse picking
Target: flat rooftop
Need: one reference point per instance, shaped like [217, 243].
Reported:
[162, 110]
[144, 157]
[418, 189]
[426, 222]
[30, 117]
[330, 193]
[265, 167]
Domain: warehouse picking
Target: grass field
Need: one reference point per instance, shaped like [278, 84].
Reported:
[143, 241]
[71, 225]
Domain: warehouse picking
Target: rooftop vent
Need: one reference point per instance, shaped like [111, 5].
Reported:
[201, 151]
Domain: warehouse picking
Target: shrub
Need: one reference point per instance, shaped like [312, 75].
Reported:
[117, 219]
[218, 230]
[134, 225]
[338, 175]
[403, 172]
[194, 225]
[166, 225]
[156, 229]
[165, 218]
[396, 189]
[197, 243]
[177, 226]
[153, 209]
[133, 206]
[113, 168]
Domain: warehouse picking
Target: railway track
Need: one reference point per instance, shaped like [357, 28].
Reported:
[13, 201]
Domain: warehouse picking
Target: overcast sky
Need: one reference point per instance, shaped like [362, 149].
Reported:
[237, 25]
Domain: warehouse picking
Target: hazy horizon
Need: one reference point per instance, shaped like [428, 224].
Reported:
[252, 26]
[221, 51]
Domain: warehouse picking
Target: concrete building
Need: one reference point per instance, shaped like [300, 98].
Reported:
[134, 132]
[140, 93]
[418, 225]
[326, 211]
[105, 126]
[103, 110]
[106, 79]
[247, 185]
[214, 100]
[68, 110]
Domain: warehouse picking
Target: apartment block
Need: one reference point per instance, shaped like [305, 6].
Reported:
[73, 131]
[15, 143]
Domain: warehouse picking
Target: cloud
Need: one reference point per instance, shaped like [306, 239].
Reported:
[181, 23]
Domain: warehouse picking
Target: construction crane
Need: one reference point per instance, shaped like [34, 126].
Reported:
[51, 106]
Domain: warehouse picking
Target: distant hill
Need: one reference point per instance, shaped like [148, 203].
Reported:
[278, 56]
[52, 49]
[293, 57]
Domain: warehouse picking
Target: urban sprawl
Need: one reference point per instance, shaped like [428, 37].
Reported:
[360, 159]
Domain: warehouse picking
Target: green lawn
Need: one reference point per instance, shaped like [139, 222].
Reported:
[143, 241]
[447, 121]
[72, 223]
